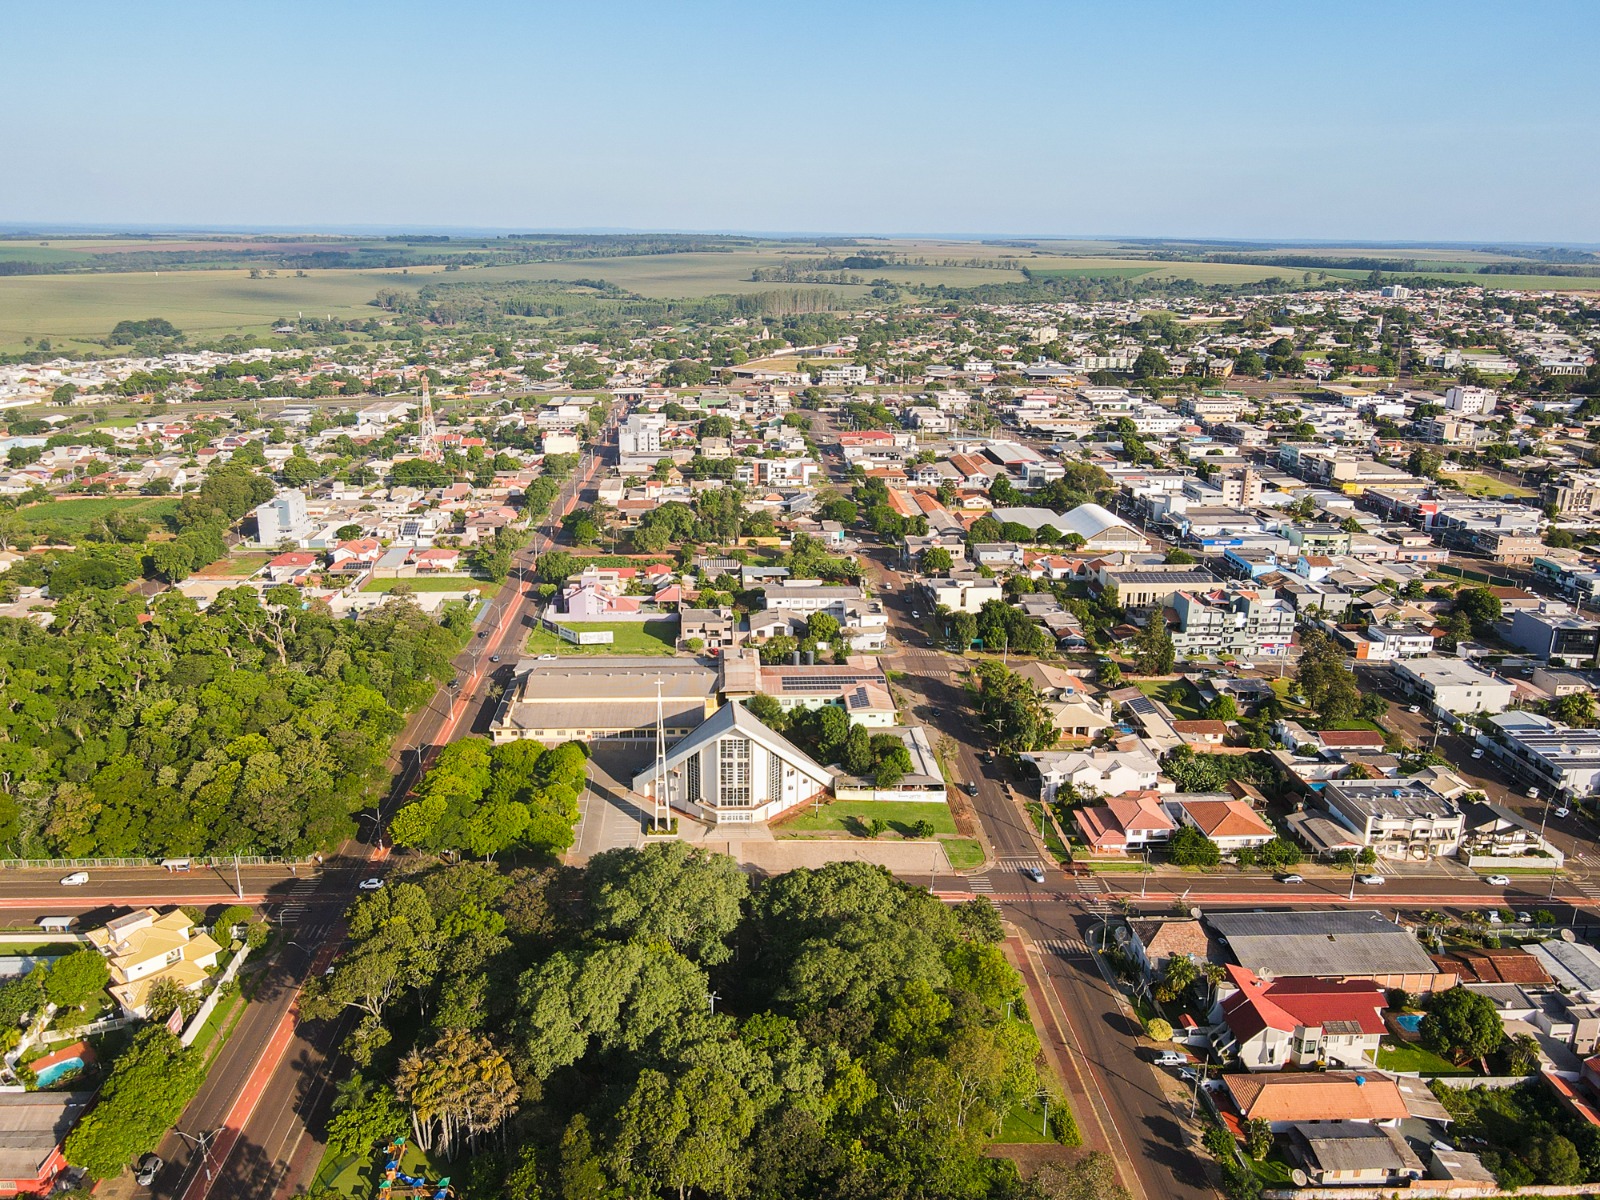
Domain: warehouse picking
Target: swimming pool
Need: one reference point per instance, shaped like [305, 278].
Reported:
[1410, 1022]
[56, 1070]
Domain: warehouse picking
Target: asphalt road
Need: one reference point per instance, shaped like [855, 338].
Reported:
[270, 1142]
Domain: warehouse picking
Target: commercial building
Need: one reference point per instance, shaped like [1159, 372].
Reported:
[33, 1127]
[1558, 760]
[734, 770]
[1330, 944]
[1553, 631]
[611, 698]
[1151, 585]
[1395, 818]
[1451, 686]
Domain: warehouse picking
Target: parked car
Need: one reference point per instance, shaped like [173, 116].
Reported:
[76, 879]
[547, 658]
[147, 1170]
[1413, 708]
[1533, 793]
[1498, 880]
[370, 885]
[1291, 878]
[1171, 1058]
[1372, 880]
[1478, 753]
[1524, 918]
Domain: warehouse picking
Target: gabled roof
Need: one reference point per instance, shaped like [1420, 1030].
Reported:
[1317, 1096]
[1226, 818]
[734, 717]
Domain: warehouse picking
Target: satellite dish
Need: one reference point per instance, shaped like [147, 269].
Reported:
[1195, 913]
[1301, 1179]
[1568, 936]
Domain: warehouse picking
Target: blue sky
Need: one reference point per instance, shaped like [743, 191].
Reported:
[1332, 120]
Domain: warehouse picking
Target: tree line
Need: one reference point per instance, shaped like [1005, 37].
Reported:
[657, 1025]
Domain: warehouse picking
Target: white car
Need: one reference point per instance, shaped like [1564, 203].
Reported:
[1533, 793]
[1498, 880]
[1563, 811]
[1414, 708]
[547, 658]
[1478, 753]
[1371, 880]
[76, 879]
[370, 885]
[1171, 1058]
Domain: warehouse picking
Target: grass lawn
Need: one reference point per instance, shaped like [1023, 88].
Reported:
[1407, 1056]
[1052, 840]
[220, 1023]
[1273, 1171]
[1352, 724]
[963, 853]
[79, 513]
[357, 1176]
[628, 637]
[235, 566]
[846, 816]
[1177, 695]
[434, 583]
[1486, 485]
[1024, 1125]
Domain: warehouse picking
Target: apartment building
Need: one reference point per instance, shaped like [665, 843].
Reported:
[1241, 621]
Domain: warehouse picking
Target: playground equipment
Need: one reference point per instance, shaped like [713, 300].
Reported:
[396, 1182]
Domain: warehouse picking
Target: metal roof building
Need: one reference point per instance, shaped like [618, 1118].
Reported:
[1343, 943]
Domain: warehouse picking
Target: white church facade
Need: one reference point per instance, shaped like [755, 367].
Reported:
[734, 770]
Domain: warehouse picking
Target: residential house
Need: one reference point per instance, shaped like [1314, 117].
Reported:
[437, 558]
[1283, 1099]
[1102, 771]
[1270, 1024]
[1354, 1154]
[144, 948]
[963, 592]
[1154, 940]
[713, 627]
[1232, 824]
[1127, 822]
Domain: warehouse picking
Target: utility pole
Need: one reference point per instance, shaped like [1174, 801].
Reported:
[238, 883]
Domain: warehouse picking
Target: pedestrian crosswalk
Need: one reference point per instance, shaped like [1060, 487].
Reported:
[1590, 890]
[1092, 895]
[294, 904]
[1065, 947]
[981, 884]
[1022, 866]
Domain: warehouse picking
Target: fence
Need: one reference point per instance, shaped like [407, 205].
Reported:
[83, 1031]
[57, 864]
[198, 1021]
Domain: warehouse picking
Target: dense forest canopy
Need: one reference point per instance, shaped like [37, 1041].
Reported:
[254, 727]
[657, 1025]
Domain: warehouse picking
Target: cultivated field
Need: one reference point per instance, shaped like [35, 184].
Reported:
[71, 308]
